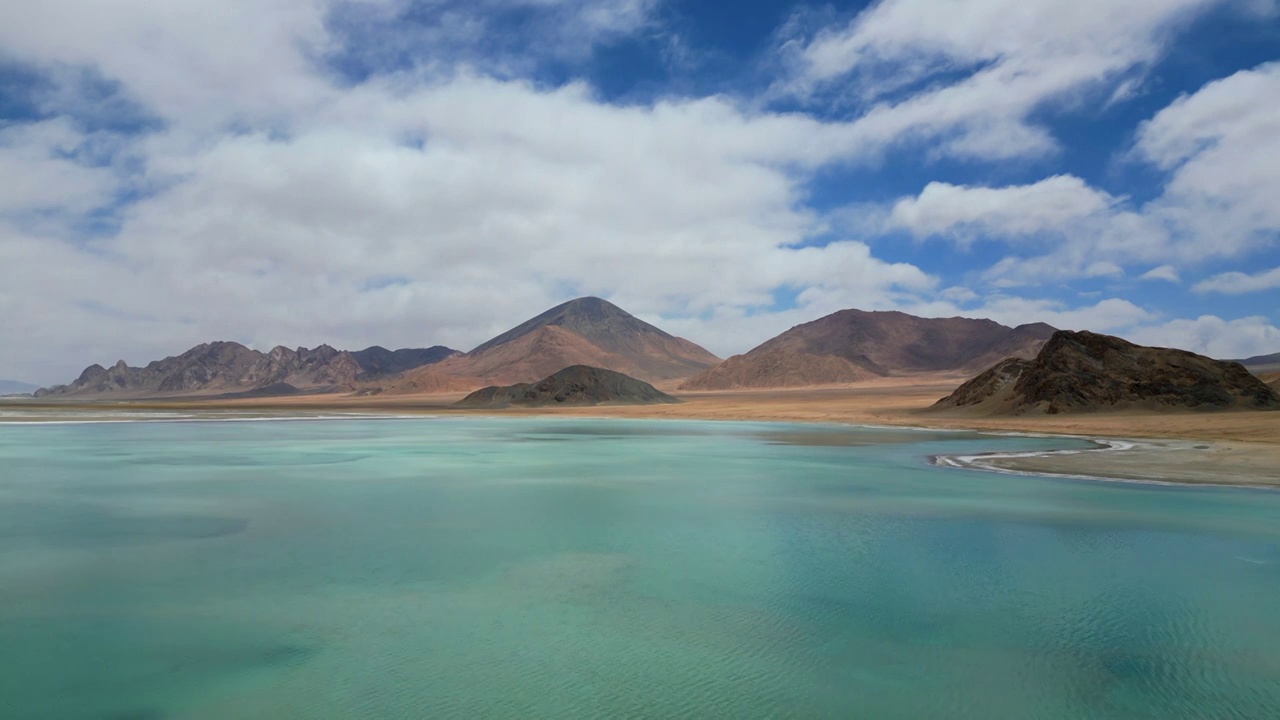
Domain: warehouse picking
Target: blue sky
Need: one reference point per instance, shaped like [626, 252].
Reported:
[410, 172]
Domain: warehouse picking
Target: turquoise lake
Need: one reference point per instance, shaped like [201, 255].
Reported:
[583, 568]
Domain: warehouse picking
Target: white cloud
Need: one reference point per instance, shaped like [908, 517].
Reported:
[1211, 335]
[1109, 315]
[1059, 228]
[345, 230]
[1222, 145]
[966, 212]
[38, 172]
[1168, 273]
[447, 201]
[1236, 283]
[1014, 56]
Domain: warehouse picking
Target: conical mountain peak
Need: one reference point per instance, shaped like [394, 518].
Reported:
[595, 319]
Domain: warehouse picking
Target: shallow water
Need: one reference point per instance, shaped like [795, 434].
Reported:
[567, 568]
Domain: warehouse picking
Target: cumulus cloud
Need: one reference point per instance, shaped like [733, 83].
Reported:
[284, 178]
[406, 213]
[1222, 145]
[1237, 283]
[965, 212]
[1213, 336]
[1221, 148]
[39, 172]
[1168, 273]
[1059, 228]
[1011, 57]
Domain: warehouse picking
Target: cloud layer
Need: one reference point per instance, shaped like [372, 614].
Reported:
[401, 173]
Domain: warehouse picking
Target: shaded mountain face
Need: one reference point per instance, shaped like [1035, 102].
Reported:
[376, 362]
[13, 387]
[1084, 371]
[587, 331]
[852, 345]
[232, 369]
[574, 385]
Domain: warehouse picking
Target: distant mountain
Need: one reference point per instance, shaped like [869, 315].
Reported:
[13, 387]
[1262, 363]
[852, 345]
[378, 361]
[1084, 371]
[587, 331]
[231, 369]
[574, 385]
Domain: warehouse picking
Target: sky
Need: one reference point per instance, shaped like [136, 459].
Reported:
[416, 172]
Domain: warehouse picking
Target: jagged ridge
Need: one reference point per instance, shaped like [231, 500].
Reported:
[231, 368]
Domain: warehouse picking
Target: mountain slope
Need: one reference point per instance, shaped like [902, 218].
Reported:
[574, 385]
[587, 331]
[1084, 371]
[852, 345]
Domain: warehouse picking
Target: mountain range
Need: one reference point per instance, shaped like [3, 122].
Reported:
[586, 331]
[853, 345]
[1262, 363]
[843, 347]
[231, 368]
[1084, 371]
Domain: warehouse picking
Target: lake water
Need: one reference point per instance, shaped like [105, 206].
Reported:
[579, 568]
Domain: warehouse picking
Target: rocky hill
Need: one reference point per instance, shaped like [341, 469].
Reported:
[852, 345]
[575, 385]
[1084, 371]
[229, 368]
[587, 331]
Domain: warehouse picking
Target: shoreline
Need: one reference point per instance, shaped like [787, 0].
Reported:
[1066, 464]
[1228, 449]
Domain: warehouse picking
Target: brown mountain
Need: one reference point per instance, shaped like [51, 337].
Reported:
[574, 385]
[1084, 371]
[852, 345]
[587, 331]
[233, 369]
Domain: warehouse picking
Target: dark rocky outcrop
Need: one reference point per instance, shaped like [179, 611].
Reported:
[1084, 371]
[575, 385]
[852, 345]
